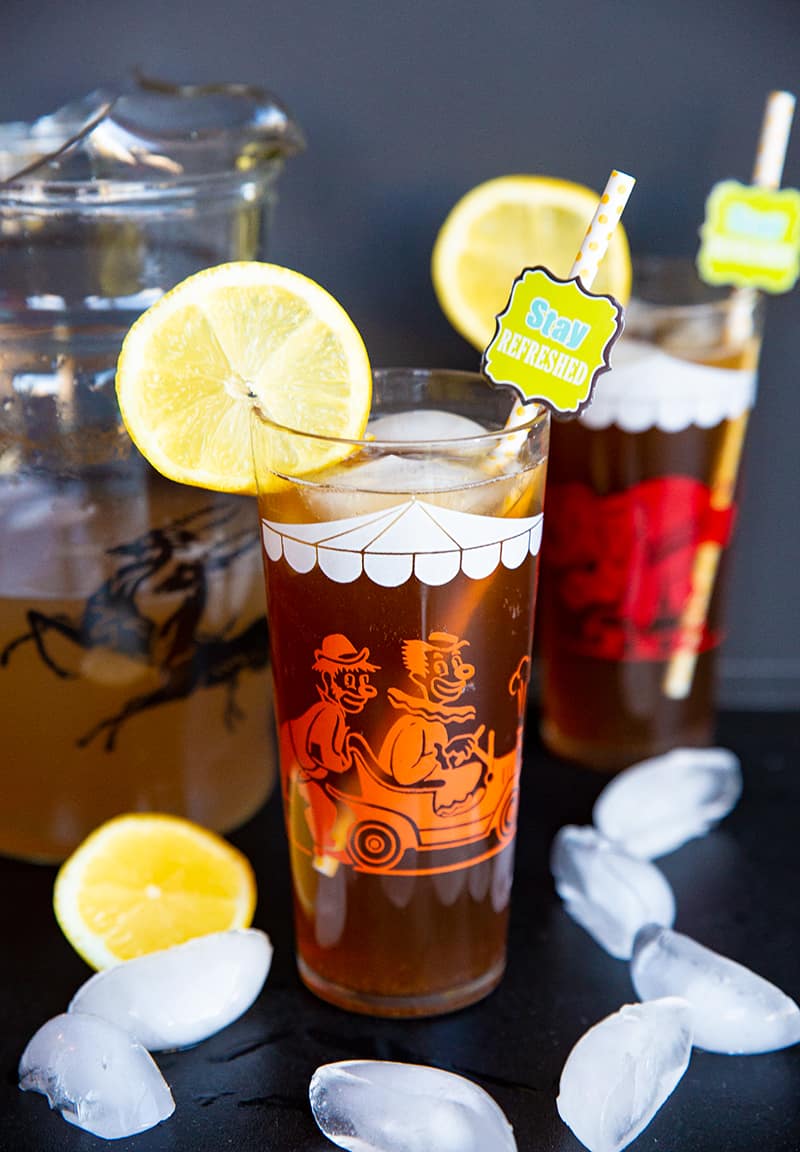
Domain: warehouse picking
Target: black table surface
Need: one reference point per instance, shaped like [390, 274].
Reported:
[247, 1087]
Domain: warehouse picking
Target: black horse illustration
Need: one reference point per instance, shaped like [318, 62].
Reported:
[175, 560]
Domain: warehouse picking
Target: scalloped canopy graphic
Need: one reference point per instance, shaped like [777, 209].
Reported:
[413, 538]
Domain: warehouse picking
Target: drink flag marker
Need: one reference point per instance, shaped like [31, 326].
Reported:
[768, 169]
[751, 234]
[553, 339]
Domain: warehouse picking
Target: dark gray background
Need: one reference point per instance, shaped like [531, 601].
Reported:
[406, 105]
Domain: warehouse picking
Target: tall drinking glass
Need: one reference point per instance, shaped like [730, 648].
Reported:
[400, 585]
[641, 505]
[133, 643]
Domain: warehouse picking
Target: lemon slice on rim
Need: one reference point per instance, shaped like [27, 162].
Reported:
[232, 337]
[143, 882]
[505, 225]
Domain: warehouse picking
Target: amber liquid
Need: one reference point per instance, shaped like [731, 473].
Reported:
[133, 666]
[427, 934]
[608, 713]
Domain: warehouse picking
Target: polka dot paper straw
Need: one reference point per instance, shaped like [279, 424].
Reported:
[774, 139]
[767, 172]
[605, 220]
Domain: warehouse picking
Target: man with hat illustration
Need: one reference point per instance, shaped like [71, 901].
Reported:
[316, 744]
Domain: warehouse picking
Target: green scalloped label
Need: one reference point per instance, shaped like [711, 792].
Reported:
[552, 341]
[751, 237]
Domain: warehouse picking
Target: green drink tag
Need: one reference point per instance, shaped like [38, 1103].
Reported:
[552, 341]
[751, 237]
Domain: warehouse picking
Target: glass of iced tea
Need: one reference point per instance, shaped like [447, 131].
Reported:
[641, 504]
[400, 585]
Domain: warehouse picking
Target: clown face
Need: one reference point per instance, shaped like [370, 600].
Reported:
[349, 688]
[446, 674]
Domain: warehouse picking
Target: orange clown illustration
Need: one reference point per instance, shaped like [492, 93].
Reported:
[317, 741]
[420, 746]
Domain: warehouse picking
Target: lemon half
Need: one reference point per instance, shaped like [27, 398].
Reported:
[511, 223]
[143, 882]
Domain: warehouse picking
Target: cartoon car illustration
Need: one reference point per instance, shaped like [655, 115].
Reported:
[435, 785]
[386, 820]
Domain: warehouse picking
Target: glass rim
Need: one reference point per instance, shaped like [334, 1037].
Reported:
[682, 269]
[539, 418]
[98, 193]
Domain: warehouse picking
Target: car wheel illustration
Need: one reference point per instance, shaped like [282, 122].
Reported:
[506, 824]
[374, 845]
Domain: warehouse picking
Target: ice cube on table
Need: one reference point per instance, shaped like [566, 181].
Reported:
[380, 1106]
[659, 804]
[622, 1070]
[181, 995]
[734, 1011]
[97, 1076]
[608, 892]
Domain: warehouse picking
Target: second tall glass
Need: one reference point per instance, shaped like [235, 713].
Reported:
[640, 512]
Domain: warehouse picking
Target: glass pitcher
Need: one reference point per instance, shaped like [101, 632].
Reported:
[133, 643]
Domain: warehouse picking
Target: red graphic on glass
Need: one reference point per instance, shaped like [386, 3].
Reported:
[435, 783]
[620, 566]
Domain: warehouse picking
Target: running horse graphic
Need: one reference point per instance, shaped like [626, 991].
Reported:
[175, 559]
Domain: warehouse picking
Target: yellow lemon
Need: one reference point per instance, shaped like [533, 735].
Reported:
[143, 882]
[505, 225]
[226, 340]
[304, 878]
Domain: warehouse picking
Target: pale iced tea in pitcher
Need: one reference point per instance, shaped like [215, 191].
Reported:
[133, 659]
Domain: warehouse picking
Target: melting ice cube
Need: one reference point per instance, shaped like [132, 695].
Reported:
[368, 485]
[425, 424]
[379, 1106]
[659, 804]
[622, 1070]
[460, 478]
[97, 1076]
[182, 995]
[733, 1009]
[392, 474]
[610, 894]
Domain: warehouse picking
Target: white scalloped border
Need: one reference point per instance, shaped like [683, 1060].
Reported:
[648, 388]
[428, 541]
